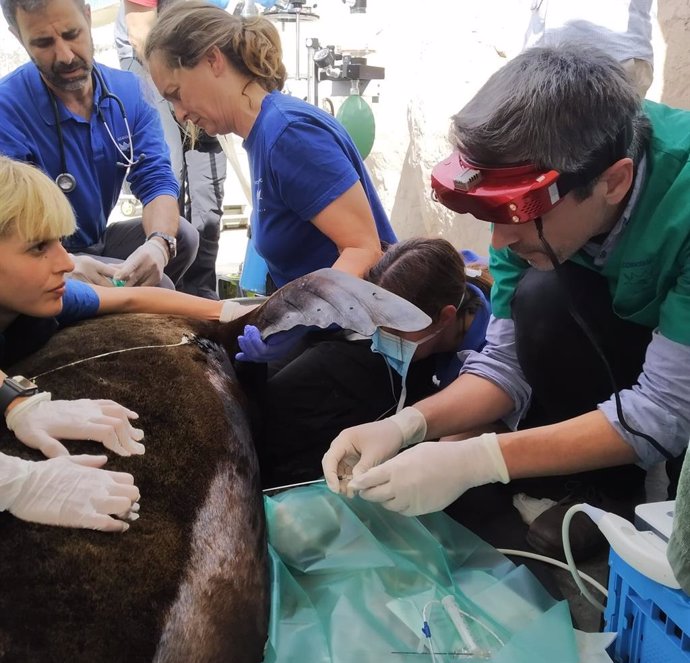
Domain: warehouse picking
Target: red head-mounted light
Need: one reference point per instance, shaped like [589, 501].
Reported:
[513, 194]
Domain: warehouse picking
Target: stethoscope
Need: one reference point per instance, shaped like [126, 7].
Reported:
[65, 180]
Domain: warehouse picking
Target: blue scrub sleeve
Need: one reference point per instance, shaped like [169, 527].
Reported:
[79, 302]
[322, 173]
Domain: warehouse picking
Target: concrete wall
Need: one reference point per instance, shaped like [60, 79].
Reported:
[435, 63]
[674, 69]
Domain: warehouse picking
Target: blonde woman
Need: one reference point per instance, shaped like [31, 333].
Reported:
[36, 298]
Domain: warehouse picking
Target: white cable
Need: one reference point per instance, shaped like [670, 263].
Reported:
[185, 341]
[565, 531]
[395, 398]
[555, 562]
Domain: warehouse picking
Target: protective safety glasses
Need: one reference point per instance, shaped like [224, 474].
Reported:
[512, 194]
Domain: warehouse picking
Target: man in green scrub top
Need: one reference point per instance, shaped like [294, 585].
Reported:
[618, 227]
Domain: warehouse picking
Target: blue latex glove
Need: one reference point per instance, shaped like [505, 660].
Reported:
[276, 346]
[470, 257]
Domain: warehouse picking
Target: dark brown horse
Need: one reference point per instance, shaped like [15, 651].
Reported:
[188, 583]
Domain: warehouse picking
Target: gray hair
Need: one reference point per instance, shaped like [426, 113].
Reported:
[9, 8]
[555, 107]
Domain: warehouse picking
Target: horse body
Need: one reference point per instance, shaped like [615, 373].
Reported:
[189, 581]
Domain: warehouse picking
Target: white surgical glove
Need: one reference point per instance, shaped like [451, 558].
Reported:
[232, 310]
[145, 264]
[91, 270]
[40, 423]
[360, 448]
[69, 491]
[431, 475]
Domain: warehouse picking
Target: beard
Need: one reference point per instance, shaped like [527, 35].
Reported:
[55, 77]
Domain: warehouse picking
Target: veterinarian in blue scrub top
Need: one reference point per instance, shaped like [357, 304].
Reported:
[88, 127]
[313, 202]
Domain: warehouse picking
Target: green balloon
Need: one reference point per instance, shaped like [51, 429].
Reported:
[356, 116]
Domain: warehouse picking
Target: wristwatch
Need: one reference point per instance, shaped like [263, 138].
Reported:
[15, 387]
[168, 239]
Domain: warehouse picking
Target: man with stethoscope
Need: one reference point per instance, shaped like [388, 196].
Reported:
[88, 126]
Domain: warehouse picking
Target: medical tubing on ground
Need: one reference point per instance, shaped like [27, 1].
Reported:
[510, 552]
[565, 532]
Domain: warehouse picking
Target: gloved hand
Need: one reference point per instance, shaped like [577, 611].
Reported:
[360, 448]
[230, 310]
[91, 270]
[69, 491]
[276, 346]
[145, 264]
[39, 423]
[431, 475]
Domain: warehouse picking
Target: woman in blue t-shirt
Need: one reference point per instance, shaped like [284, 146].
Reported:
[313, 202]
[35, 299]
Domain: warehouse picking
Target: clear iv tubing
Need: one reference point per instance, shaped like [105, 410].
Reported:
[509, 552]
[426, 630]
[458, 618]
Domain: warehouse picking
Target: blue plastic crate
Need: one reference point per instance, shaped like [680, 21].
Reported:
[652, 621]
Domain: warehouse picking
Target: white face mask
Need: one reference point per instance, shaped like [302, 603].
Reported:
[398, 353]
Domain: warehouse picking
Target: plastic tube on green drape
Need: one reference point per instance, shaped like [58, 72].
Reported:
[356, 116]
[351, 581]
